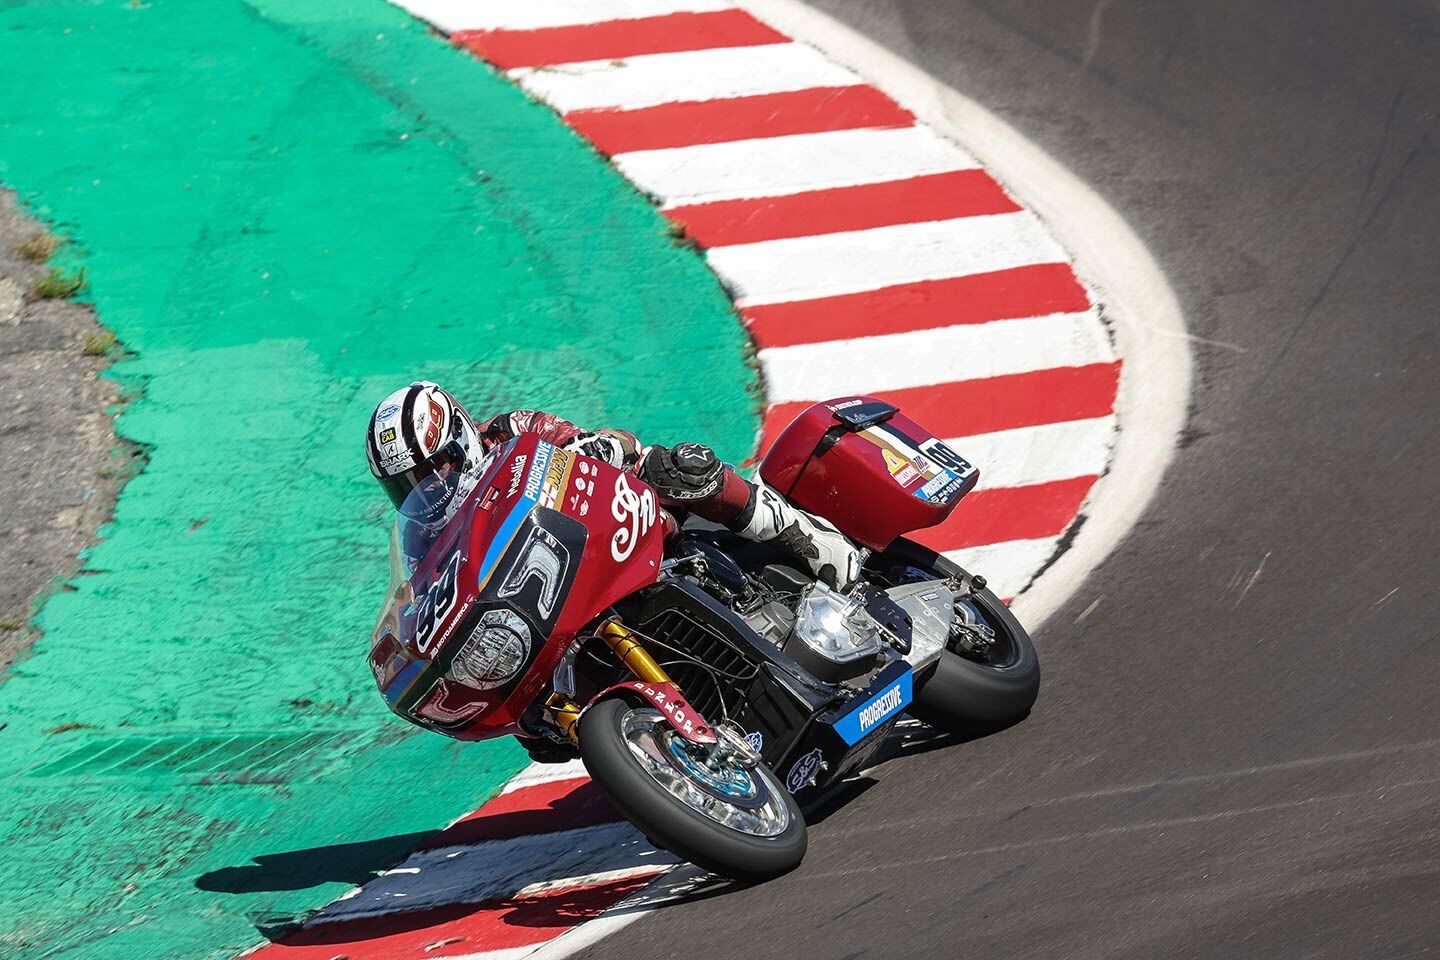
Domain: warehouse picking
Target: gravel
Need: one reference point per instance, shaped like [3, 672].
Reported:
[60, 463]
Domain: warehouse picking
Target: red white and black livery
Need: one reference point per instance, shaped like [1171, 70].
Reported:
[709, 681]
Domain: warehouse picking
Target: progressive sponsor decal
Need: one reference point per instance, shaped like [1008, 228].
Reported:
[859, 723]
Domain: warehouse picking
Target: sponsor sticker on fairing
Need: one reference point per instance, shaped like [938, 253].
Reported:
[856, 725]
[536, 478]
[517, 470]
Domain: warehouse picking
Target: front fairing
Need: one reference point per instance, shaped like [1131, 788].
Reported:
[545, 542]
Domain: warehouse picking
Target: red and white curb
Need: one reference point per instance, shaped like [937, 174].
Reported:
[866, 254]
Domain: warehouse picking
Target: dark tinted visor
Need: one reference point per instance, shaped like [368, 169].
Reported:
[423, 492]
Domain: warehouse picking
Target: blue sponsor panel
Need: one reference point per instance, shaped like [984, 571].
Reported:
[894, 697]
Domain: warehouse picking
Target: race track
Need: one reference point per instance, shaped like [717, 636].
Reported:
[1235, 752]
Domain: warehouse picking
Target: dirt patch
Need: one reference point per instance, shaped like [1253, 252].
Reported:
[60, 464]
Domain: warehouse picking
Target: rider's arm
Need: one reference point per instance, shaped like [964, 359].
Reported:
[616, 447]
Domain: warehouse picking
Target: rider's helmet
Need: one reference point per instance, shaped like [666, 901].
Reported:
[424, 450]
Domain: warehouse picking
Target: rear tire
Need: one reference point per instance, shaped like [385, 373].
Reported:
[963, 696]
[610, 757]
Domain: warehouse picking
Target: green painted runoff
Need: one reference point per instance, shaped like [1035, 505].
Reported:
[286, 208]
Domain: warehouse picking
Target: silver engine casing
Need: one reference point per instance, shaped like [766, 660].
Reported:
[836, 637]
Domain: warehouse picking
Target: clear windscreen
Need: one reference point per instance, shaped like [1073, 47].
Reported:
[423, 518]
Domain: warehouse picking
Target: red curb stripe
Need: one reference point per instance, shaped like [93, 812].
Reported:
[1032, 291]
[691, 122]
[616, 39]
[455, 930]
[1009, 513]
[939, 196]
[969, 407]
[543, 808]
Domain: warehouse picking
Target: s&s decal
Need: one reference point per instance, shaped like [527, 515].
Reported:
[804, 771]
[635, 512]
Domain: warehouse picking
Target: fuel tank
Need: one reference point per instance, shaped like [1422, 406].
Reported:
[863, 465]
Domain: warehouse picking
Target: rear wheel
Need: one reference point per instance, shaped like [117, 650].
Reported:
[974, 688]
[736, 822]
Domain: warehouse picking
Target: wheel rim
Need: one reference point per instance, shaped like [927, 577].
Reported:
[747, 801]
[1005, 653]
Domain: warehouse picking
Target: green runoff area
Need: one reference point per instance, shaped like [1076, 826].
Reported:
[287, 208]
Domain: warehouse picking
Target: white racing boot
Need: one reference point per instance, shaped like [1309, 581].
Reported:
[828, 553]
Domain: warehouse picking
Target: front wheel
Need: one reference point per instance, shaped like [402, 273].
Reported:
[735, 822]
[969, 691]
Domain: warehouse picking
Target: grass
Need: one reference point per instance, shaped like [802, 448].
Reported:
[37, 249]
[98, 343]
[10, 626]
[57, 285]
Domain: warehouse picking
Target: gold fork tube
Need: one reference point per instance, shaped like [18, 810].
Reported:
[565, 711]
[626, 647]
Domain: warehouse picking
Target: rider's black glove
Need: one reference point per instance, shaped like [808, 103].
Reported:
[686, 471]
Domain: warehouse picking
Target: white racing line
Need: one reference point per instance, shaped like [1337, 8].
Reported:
[867, 253]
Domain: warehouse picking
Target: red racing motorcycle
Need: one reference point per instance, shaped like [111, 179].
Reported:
[709, 684]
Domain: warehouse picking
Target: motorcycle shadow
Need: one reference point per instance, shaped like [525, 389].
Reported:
[519, 870]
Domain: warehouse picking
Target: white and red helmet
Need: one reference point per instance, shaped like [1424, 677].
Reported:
[424, 450]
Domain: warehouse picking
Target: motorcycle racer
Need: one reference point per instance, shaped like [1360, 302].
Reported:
[427, 453]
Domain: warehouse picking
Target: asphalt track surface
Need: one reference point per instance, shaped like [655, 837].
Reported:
[1236, 750]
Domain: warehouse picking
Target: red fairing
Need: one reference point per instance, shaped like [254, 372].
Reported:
[867, 468]
[667, 698]
[609, 548]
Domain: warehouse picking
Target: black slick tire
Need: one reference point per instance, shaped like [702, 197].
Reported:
[961, 696]
[668, 822]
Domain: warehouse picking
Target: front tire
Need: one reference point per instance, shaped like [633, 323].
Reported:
[960, 695]
[740, 824]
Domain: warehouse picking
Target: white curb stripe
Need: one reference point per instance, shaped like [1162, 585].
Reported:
[1053, 451]
[668, 77]
[1008, 567]
[831, 264]
[780, 165]
[924, 357]
[452, 15]
[538, 773]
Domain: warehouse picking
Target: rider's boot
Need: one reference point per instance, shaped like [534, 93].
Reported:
[770, 518]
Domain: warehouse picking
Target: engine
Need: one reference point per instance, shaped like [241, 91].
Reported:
[840, 637]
